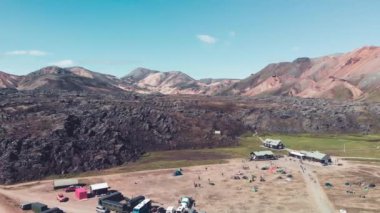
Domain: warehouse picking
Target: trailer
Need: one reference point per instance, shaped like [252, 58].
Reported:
[99, 188]
[63, 183]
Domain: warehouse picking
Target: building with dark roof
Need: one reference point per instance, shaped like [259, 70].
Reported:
[273, 144]
[262, 155]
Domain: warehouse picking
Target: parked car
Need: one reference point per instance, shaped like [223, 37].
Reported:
[71, 188]
[170, 209]
[26, 206]
[62, 198]
[102, 209]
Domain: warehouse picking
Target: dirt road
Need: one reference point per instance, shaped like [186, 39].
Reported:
[315, 189]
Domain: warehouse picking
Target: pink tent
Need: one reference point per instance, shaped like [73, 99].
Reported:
[272, 169]
[81, 193]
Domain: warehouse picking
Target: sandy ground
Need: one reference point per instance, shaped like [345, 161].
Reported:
[8, 205]
[350, 197]
[303, 193]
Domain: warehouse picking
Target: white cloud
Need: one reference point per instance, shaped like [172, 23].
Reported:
[27, 52]
[207, 39]
[64, 63]
[232, 33]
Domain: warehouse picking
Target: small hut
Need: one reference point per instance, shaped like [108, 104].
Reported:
[273, 144]
[262, 155]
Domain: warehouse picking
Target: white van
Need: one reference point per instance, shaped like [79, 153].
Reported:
[170, 209]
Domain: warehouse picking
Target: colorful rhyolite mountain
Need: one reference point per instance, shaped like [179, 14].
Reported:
[353, 75]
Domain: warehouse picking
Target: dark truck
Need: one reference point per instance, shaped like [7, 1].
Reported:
[135, 201]
[53, 210]
[115, 206]
[26, 206]
[39, 207]
[115, 201]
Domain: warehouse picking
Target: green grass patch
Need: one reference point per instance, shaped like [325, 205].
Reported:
[355, 145]
[366, 161]
[193, 157]
[165, 165]
[246, 146]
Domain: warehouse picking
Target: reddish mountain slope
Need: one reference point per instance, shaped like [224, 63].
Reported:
[8, 80]
[353, 75]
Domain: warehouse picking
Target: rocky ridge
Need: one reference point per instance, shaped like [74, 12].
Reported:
[54, 132]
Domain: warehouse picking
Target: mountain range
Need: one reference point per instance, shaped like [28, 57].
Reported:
[350, 76]
[58, 121]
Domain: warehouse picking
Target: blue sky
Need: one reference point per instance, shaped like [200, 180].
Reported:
[203, 38]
